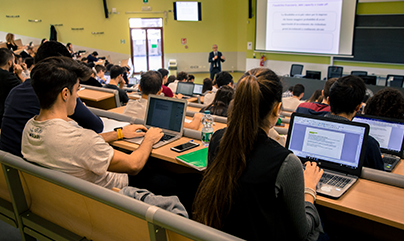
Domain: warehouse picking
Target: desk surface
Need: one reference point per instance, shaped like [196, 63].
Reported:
[94, 95]
[367, 199]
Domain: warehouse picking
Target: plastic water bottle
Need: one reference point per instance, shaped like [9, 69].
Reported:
[207, 129]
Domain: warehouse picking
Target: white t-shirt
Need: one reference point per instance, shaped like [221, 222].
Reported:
[69, 148]
[136, 108]
[290, 103]
[210, 96]
[173, 86]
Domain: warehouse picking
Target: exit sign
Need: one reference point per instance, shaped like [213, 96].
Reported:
[145, 1]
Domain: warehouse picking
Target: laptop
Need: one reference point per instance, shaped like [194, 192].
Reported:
[337, 146]
[198, 89]
[165, 113]
[390, 135]
[369, 79]
[186, 89]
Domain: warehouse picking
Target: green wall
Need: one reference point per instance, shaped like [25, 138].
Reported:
[362, 8]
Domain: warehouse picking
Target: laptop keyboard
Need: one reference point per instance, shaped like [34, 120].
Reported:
[390, 159]
[336, 181]
[166, 137]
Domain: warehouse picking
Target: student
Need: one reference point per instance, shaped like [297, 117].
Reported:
[221, 102]
[11, 45]
[69, 47]
[22, 104]
[7, 79]
[100, 69]
[317, 108]
[291, 103]
[45, 40]
[191, 78]
[27, 67]
[28, 52]
[288, 93]
[91, 80]
[253, 187]
[387, 102]
[181, 77]
[170, 80]
[117, 83]
[150, 84]
[50, 139]
[223, 78]
[166, 91]
[346, 96]
[315, 96]
[93, 57]
[207, 86]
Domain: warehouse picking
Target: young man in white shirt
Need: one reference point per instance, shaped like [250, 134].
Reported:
[291, 103]
[53, 140]
[222, 78]
[181, 77]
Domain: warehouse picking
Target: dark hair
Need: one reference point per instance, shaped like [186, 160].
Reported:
[346, 94]
[207, 85]
[191, 77]
[258, 92]
[150, 82]
[50, 76]
[327, 87]
[163, 72]
[290, 88]
[387, 102]
[170, 79]
[220, 104]
[182, 75]
[109, 66]
[45, 40]
[298, 89]
[98, 68]
[223, 78]
[29, 61]
[16, 58]
[95, 53]
[314, 97]
[50, 49]
[68, 44]
[115, 71]
[84, 59]
[5, 56]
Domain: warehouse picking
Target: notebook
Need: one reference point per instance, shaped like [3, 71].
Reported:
[389, 133]
[196, 159]
[198, 89]
[337, 146]
[165, 113]
[186, 89]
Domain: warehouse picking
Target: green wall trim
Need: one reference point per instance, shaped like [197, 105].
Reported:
[369, 65]
[380, 8]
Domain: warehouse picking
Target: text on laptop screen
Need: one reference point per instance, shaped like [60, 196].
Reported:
[389, 134]
[198, 89]
[326, 140]
[185, 88]
[165, 114]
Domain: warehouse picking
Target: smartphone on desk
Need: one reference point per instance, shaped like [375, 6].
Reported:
[184, 147]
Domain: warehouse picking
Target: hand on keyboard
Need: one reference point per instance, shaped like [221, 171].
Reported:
[132, 131]
[153, 135]
[312, 175]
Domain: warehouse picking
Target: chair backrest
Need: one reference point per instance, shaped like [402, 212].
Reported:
[395, 80]
[296, 69]
[18, 42]
[63, 207]
[357, 73]
[369, 79]
[334, 72]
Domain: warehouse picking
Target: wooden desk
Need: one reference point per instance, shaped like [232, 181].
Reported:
[194, 109]
[98, 99]
[118, 110]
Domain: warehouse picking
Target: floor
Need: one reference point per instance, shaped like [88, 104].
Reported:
[9, 233]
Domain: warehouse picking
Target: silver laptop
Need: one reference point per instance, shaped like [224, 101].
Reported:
[186, 89]
[390, 135]
[165, 113]
[337, 146]
[198, 89]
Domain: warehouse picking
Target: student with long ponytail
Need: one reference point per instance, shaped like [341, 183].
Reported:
[253, 187]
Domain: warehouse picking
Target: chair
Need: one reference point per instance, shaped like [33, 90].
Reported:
[358, 73]
[395, 80]
[296, 69]
[334, 72]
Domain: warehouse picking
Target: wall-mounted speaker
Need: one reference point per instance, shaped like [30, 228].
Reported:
[105, 8]
[250, 9]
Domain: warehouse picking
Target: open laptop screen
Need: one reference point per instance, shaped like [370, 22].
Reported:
[185, 88]
[331, 142]
[198, 89]
[165, 114]
[388, 132]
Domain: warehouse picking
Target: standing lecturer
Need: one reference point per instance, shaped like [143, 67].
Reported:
[215, 57]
